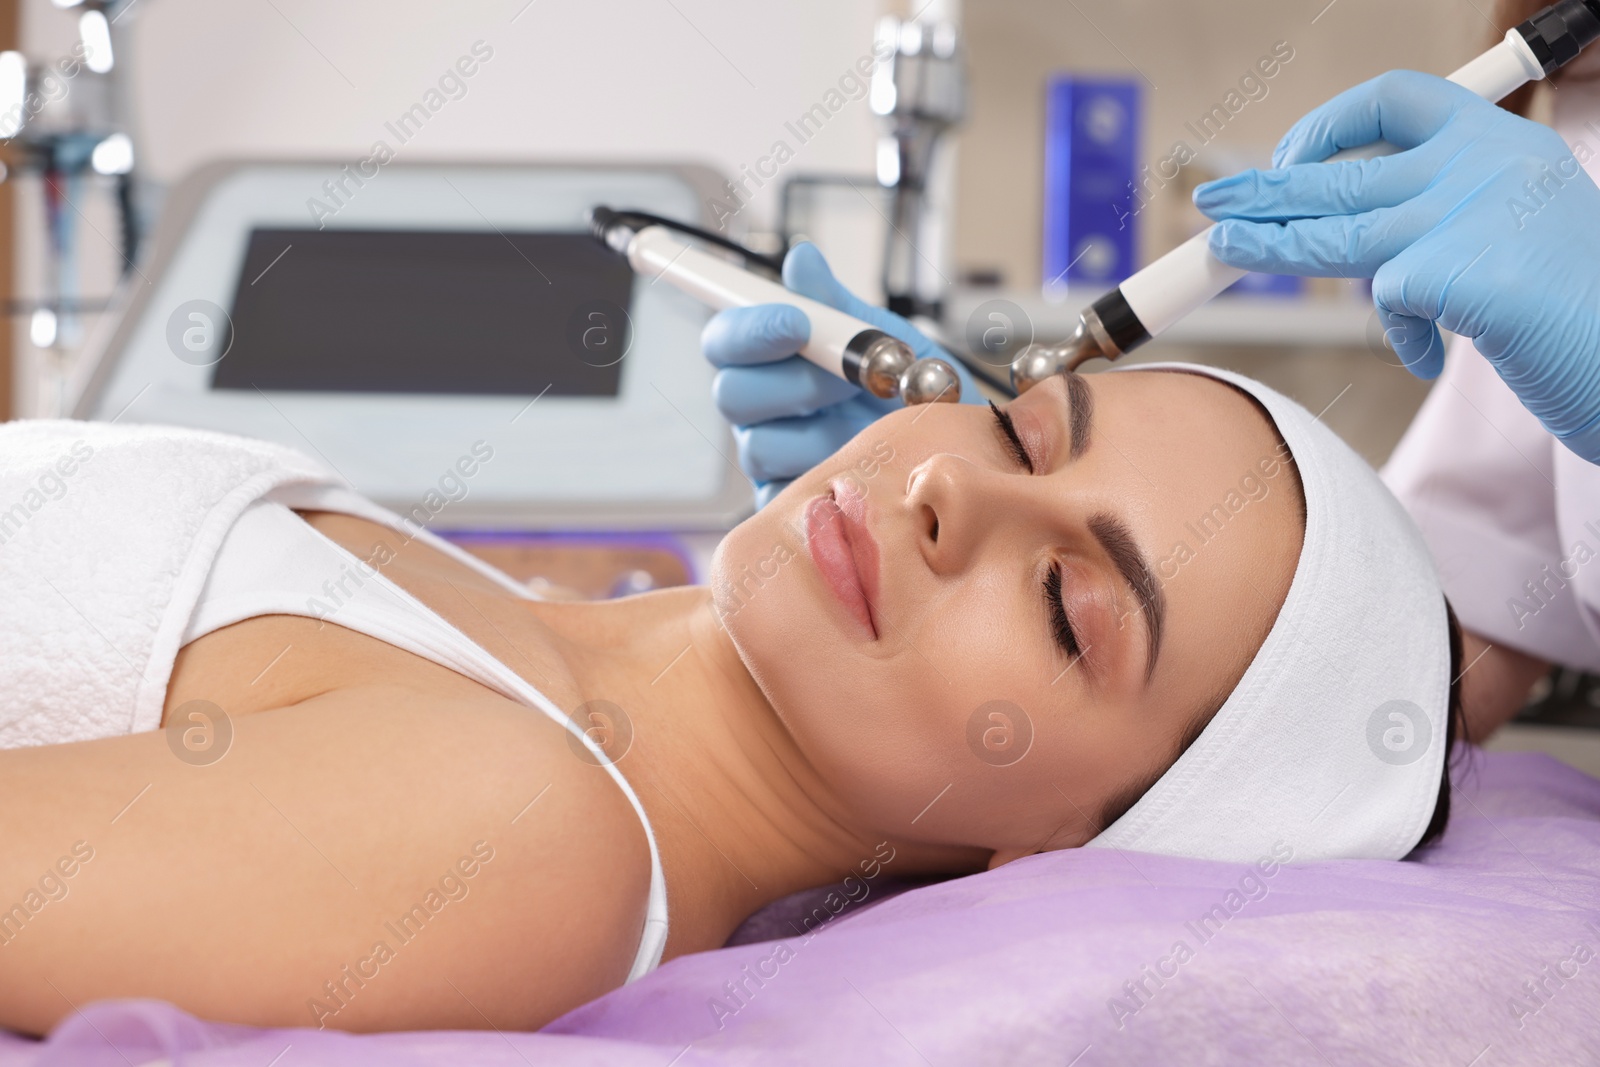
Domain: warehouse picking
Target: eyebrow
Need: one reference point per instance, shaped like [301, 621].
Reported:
[1080, 413]
[1117, 542]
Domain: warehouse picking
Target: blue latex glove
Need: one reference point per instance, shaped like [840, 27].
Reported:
[1449, 231]
[788, 414]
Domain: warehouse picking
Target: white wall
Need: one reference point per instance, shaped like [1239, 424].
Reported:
[712, 79]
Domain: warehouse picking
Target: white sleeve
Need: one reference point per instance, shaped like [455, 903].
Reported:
[1480, 475]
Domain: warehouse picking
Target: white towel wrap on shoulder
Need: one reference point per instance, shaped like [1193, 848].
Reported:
[107, 533]
[1333, 741]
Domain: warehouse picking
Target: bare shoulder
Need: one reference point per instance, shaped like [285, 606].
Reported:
[574, 886]
[370, 859]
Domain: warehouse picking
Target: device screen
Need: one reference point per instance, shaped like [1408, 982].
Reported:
[428, 311]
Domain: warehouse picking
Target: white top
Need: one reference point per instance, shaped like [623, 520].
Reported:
[1512, 516]
[273, 562]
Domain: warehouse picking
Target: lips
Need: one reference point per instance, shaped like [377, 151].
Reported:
[844, 551]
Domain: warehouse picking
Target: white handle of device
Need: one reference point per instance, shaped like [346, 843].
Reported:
[1189, 276]
[655, 253]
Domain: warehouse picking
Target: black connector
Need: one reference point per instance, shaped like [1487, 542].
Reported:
[1559, 32]
[601, 221]
[615, 228]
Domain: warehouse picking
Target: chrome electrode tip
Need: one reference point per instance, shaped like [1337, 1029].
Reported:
[1034, 364]
[931, 381]
[1038, 362]
[882, 365]
[890, 369]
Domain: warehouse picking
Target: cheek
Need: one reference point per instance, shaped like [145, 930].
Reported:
[764, 595]
[995, 730]
[1030, 750]
[887, 732]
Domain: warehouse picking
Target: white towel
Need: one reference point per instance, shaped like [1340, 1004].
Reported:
[1332, 743]
[107, 533]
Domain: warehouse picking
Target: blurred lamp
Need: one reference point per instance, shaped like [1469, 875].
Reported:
[881, 97]
[13, 88]
[42, 328]
[114, 155]
[95, 33]
[888, 162]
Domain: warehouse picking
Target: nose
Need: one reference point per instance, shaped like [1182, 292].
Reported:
[957, 507]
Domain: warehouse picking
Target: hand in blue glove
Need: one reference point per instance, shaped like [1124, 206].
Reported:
[1485, 224]
[788, 414]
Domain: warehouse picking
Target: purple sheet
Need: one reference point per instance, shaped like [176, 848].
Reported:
[1484, 950]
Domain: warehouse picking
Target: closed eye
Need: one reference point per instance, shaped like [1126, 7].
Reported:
[1060, 625]
[1008, 430]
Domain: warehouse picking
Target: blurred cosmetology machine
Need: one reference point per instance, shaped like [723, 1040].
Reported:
[448, 337]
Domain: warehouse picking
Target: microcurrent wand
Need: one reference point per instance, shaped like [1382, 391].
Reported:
[840, 344]
[1153, 299]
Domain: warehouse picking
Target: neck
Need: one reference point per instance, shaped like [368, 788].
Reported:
[741, 817]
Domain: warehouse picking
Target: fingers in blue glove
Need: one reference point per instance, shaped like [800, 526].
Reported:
[763, 333]
[1410, 292]
[1402, 107]
[784, 448]
[1312, 190]
[1338, 246]
[787, 388]
[1415, 341]
[1459, 255]
[807, 273]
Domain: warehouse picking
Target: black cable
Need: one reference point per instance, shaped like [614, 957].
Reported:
[605, 218]
[986, 372]
[127, 210]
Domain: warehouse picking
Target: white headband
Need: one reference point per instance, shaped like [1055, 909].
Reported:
[1333, 741]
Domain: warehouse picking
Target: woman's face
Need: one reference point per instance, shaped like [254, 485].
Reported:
[974, 653]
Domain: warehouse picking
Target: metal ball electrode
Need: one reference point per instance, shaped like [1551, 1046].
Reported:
[1038, 362]
[889, 369]
[930, 381]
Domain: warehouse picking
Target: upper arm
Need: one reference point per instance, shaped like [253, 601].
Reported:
[368, 850]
